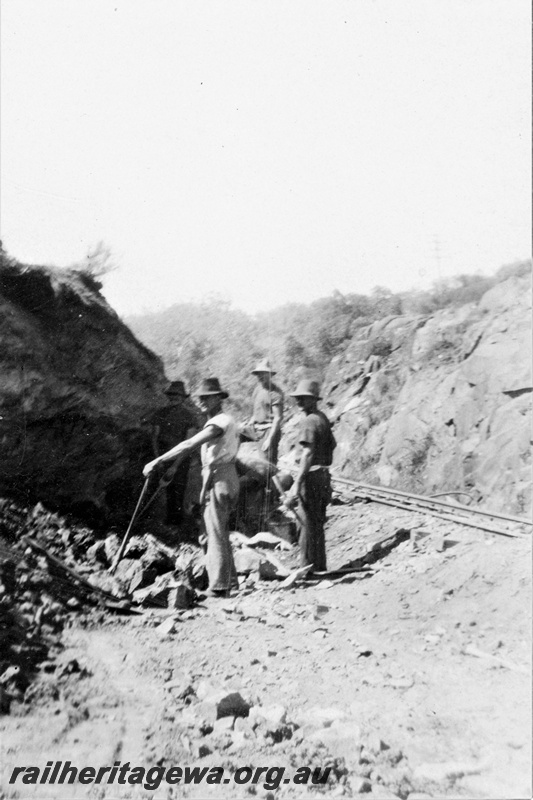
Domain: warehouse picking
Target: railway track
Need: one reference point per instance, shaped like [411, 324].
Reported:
[490, 521]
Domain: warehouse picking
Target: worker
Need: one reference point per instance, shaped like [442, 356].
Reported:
[311, 491]
[267, 413]
[173, 423]
[219, 442]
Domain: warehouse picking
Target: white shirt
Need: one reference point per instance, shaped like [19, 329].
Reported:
[224, 449]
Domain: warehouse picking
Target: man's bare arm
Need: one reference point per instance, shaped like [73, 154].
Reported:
[306, 461]
[181, 450]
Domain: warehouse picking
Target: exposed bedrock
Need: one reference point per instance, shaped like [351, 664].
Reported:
[441, 403]
[74, 387]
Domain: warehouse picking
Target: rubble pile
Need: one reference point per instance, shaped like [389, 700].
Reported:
[34, 607]
[52, 569]
[355, 673]
[149, 571]
[210, 721]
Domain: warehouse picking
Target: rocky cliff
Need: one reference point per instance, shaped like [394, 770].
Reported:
[74, 386]
[442, 402]
[429, 403]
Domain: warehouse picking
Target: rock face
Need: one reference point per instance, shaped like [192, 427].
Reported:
[441, 403]
[428, 404]
[74, 386]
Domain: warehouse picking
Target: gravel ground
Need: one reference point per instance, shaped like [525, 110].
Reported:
[408, 680]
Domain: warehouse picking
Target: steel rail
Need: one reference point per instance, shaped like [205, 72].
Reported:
[447, 517]
[404, 502]
[455, 507]
[446, 494]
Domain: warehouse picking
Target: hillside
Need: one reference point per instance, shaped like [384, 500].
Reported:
[74, 386]
[442, 402]
[401, 674]
[429, 392]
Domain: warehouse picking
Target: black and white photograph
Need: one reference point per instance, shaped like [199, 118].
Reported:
[265, 400]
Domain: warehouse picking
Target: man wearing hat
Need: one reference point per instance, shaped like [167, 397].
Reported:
[267, 413]
[219, 442]
[312, 488]
[176, 421]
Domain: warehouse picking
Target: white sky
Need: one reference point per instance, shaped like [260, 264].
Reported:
[266, 150]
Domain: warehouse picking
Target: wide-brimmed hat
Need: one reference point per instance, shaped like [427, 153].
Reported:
[263, 366]
[176, 388]
[211, 386]
[307, 388]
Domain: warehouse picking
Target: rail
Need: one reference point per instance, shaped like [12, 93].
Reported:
[452, 512]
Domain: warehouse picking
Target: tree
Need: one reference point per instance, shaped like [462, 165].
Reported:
[98, 262]
[385, 303]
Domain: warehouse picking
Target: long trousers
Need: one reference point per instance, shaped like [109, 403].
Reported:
[221, 501]
[314, 498]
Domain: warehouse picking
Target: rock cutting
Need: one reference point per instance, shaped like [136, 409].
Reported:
[329, 574]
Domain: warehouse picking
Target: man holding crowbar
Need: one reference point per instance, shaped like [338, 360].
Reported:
[219, 442]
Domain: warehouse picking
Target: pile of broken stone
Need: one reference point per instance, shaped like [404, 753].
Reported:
[215, 721]
[53, 568]
[35, 604]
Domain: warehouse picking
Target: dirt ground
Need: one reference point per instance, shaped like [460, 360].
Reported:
[409, 680]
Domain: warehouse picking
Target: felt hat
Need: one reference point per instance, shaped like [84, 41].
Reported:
[176, 388]
[210, 387]
[307, 388]
[263, 366]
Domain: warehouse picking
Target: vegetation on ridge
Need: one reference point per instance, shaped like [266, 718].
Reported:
[212, 338]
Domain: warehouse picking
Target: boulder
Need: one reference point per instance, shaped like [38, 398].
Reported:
[222, 703]
[343, 738]
[223, 724]
[111, 547]
[361, 785]
[180, 596]
[205, 688]
[96, 552]
[166, 628]
[271, 716]
[136, 547]
[130, 574]
[252, 464]
[246, 560]
[166, 590]
[318, 717]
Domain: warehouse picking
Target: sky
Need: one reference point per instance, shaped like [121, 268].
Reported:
[266, 151]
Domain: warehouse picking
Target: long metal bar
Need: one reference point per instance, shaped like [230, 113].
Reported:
[118, 556]
[69, 571]
[427, 500]
[163, 483]
[459, 520]
[432, 512]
